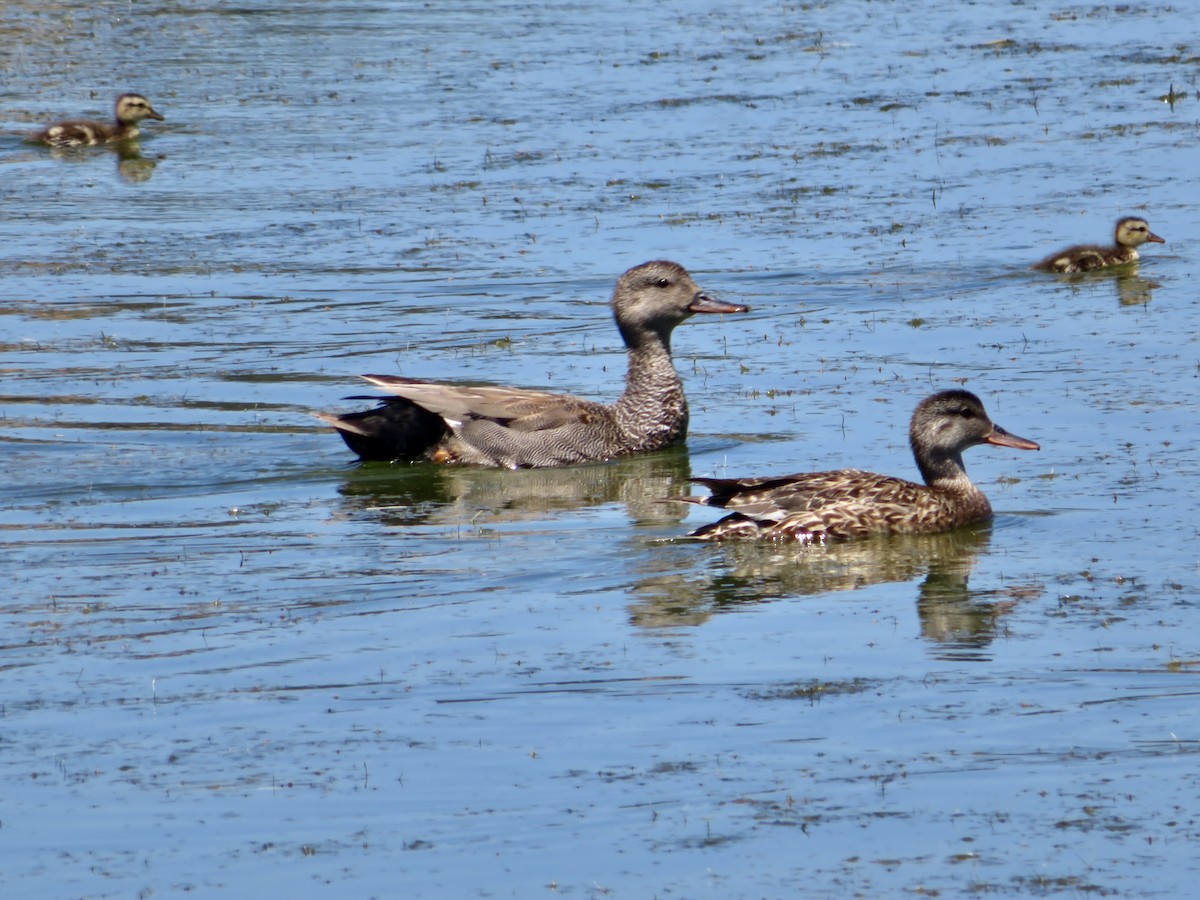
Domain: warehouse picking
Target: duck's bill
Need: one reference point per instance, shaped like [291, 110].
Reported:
[1155, 239]
[703, 303]
[1002, 438]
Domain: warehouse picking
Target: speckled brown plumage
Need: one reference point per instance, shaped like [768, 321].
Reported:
[1130, 233]
[128, 110]
[848, 503]
[515, 428]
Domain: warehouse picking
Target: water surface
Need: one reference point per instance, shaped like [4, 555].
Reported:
[234, 658]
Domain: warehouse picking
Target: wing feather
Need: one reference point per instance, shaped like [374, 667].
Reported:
[521, 410]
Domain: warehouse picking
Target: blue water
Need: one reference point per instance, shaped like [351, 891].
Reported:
[236, 660]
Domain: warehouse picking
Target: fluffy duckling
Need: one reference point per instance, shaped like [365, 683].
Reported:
[128, 111]
[815, 507]
[1131, 233]
[515, 428]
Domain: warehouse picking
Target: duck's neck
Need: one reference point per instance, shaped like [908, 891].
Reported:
[944, 471]
[653, 412]
[947, 478]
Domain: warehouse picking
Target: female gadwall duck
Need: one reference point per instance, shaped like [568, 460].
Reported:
[849, 503]
[130, 109]
[1131, 233]
[515, 428]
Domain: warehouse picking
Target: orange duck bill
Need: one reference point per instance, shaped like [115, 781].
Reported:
[706, 303]
[1002, 438]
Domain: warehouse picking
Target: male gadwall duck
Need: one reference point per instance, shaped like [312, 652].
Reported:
[516, 428]
[848, 503]
[129, 110]
[1131, 233]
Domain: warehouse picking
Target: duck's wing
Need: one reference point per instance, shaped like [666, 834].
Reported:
[1084, 258]
[730, 493]
[808, 490]
[840, 503]
[73, 134]
[516, 408]
[511, 427]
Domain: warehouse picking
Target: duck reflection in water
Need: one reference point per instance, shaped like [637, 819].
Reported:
[131, 165]
[478, 497]
[960, 620]
[1131, 288]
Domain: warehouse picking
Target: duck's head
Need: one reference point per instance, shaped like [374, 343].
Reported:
[132, 108]
[656, 296]
[946, 424]
[1133, 232]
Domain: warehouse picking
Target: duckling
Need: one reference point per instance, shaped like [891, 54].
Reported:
[513, 428]
[1131, 233]
[129, 110]
[814, 507]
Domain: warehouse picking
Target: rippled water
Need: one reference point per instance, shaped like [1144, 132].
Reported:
[234, 658]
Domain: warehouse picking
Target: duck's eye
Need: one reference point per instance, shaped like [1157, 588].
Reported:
[663, 283]
[967, 413]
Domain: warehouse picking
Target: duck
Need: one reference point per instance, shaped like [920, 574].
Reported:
[817, 507]
[129, 109]
[1131, 232]
[508, 427]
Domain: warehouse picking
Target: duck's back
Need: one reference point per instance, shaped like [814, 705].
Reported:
[840, 504]
[1086, 258]
[76, 134]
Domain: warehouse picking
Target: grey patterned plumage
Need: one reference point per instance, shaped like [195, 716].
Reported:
[128, 110]
[1130, 233]
[516, 428]
[848, 503]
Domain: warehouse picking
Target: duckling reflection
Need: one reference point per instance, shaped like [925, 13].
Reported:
[410, 495]
[748, 572]
[131, 165]
[1133, 290]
